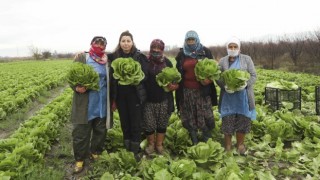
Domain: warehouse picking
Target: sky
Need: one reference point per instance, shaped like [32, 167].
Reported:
[67, 26]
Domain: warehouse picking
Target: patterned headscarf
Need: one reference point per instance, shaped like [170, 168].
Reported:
[156, 56]
[192, 50]
[97, 53]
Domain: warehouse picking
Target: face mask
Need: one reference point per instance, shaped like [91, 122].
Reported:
[192, 47]
[156, 55]
[233, 53]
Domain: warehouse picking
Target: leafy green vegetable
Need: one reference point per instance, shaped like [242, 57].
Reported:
[207, 69]
[168, 75]
[235, 78]
[84, 75]
[127, 71]
[183, 168]
[283, 85]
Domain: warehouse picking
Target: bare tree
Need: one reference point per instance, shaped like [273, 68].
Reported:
[312, 46]
[272, 50]
[294, 46]
[35, 52]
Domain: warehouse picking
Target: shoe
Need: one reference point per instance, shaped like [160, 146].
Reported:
[194, 137]
[94, 157]
[78, 167]
[150, 148]
[242, 150]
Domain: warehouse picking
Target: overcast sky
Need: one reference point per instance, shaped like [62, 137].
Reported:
[69, 25]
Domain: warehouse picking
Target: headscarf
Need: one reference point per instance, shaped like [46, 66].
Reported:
[192, 50]
[156, 56]
[233, 52]
[233, 39]
[98, 53]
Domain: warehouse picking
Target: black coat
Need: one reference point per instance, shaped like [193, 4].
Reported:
[140, 88]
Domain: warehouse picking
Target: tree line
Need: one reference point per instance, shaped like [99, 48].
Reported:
[299, 52]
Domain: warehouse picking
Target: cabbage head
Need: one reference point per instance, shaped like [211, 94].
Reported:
[207, 69]
[84, 75]
[166, 76]
[127, 71]
[235, 78]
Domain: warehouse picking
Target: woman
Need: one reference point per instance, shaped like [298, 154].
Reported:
[238, 108]
[195, 99]
[129, 99]
[159, 105]
[90, 107]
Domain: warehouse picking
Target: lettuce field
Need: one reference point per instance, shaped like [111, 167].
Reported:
[284, 143]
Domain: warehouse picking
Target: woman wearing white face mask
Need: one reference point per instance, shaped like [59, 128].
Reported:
[237, 109]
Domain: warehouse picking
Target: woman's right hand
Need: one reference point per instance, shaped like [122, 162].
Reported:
[113, 106]
[78, 54]
[173, 86]
[81, 89]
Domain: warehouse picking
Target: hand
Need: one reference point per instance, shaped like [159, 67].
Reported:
[81, 89]
[173, 86]
[242, 87]
[206, 82]
[113, 106]
[78, 54]
[228, 90]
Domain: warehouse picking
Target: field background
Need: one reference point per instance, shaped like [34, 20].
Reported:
[35, 134]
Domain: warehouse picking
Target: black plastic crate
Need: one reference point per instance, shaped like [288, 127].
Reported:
[317, 97]
[275, 97]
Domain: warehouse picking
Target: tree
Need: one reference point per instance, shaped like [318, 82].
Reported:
[272, 50]
[312, 46]
[46, 54]
[35, 52]
[294, 46]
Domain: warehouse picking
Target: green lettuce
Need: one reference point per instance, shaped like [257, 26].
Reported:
[207, 69]
[127, 71]
[235, 78]
[166, 76]
[283, 85]
[84, 75]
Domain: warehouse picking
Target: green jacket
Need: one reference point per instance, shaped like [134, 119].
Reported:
[79, 112]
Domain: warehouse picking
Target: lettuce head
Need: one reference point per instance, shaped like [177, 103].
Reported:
[127, 71]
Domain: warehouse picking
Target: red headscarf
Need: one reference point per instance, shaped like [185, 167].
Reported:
[97, 53]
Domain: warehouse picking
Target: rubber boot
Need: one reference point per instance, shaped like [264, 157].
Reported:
[159, 143]
[150, 148]
[127, 144]
[240, 143]
[135, 148]
[194, 137]
[227, 142]
[206, 134]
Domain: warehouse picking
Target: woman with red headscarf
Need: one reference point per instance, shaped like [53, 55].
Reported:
[90, 108]
[159, 104]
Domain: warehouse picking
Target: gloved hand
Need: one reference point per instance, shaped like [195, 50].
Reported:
[242, 87]
[228, 90]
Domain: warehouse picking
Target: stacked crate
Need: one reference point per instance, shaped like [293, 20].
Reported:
[276, 98]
